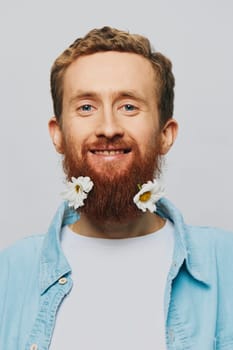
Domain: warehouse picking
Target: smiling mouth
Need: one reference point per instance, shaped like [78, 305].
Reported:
[110, 152]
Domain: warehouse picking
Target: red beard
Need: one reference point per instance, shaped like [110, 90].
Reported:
[111, 199]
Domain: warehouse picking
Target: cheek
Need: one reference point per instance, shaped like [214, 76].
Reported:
[79, 129]
[144, 126]
[72, 141]
[145, 136]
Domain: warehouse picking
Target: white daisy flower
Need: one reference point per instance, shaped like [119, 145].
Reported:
[77, 190]
[148, 195]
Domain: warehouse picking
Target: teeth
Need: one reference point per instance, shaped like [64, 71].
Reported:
[109, 152]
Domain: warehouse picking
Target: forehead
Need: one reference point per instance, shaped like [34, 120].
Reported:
[107, 72]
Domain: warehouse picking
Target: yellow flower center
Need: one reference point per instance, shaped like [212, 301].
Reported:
[77, 188]
[145, 196]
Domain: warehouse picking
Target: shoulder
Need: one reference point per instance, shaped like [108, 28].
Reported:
[19, 283]
[213, 245]
[21, 254]
[20, 270]
[210, 236]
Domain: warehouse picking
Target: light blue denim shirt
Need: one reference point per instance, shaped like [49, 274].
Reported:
[35, 278]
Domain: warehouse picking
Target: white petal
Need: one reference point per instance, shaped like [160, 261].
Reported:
[85, 183]
[141, 206]
[151, 207]
[74, 180]
[156, 191]
[147, 186]
[136, 198]
[76, 199]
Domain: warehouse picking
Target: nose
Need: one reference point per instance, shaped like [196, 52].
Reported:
[109, 126]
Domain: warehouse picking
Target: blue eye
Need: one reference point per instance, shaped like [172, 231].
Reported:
[129, 107]
[86, 108]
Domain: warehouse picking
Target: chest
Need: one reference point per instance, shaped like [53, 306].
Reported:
[116, 303]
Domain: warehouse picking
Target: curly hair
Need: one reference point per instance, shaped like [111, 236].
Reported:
[111, 39]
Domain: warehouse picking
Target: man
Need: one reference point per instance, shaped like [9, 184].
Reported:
[118, 268]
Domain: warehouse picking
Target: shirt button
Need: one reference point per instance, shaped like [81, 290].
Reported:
[34, 347]
[62, 280]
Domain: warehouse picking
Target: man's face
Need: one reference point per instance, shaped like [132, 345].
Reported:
[110, 122]
[107, 96]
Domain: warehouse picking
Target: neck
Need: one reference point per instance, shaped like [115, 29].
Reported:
[144, 224]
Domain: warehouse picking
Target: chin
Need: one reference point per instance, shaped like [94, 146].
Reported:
[110, 170]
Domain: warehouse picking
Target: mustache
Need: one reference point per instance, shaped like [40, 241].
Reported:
[110, 144]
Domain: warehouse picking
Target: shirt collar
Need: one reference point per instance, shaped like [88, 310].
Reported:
[54, 264]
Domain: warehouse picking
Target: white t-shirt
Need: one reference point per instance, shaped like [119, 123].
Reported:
[117, 299]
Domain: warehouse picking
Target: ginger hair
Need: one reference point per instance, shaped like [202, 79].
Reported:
[111, 39]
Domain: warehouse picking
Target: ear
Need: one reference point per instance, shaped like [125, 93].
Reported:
[168, 135]
[56, 134]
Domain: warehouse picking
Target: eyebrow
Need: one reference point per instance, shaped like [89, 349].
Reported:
[81, 94]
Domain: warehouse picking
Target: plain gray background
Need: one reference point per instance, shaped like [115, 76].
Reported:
[196, 35]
